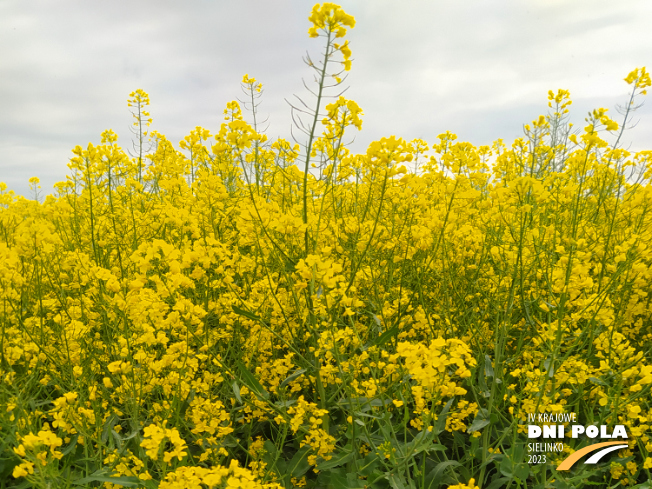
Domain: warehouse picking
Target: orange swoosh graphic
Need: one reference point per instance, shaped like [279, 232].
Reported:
[570, 461]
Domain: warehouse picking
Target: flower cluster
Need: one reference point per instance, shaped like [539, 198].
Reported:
[245, 313]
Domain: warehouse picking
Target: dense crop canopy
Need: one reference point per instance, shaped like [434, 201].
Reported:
[247, 313]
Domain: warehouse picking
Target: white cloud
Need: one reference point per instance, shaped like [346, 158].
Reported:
[481, 68]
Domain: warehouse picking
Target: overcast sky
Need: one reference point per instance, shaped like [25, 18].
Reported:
[479, 68]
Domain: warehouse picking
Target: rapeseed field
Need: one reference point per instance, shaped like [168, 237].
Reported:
[237, 312]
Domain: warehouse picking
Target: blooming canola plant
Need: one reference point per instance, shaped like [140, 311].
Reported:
[249, 313]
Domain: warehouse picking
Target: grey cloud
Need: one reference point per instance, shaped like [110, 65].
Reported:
[480, 69]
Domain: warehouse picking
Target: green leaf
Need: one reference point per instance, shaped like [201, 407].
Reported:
[521, 471]
[365, 415]
[108, 426]
[477, 425]
[644, 485]
[423, 442]
[549, 365]
[438, 471]
[494, 457]
[482, 382]
[294, 375]
[373, 440]
[334, 478]
[70, 447]
[517, 452]
[229, 441]
[396, 481]
[251, 382]
[385, 337]
[598, 381]
[362, 403]
[285, 404]
[336, 461]
[353, 482]
[506, 467]
[118, 439]
[247, 314]
[299, 464]
[186, 403]
[488, 369]
[271, 452]
[236, 391]
[6, 468]
[498, 483]
[291, 265]
[369, 464]
[377, 320]
[340, 479]
[102, 476]
[480, 421]
[441, 419]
